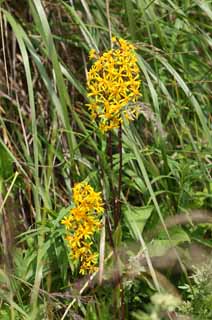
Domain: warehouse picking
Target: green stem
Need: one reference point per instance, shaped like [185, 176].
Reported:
[110, 154]
[118, 199]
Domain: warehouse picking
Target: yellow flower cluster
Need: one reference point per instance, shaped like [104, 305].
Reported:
[82, 222]
[113, 84]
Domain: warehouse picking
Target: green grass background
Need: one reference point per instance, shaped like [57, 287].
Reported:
[48, 142]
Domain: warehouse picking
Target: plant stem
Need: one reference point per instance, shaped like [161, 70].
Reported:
[110, 153]
[118, 199]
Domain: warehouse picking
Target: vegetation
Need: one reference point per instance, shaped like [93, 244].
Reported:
[153, 175]
[199, 295]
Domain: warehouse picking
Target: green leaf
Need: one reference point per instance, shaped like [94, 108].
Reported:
[136, 218]
[6, 164]
[160, 246]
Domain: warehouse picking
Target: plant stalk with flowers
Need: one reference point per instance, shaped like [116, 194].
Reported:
[113, 88]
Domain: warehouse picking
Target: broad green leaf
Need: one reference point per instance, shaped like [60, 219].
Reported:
[136, 218]
[159, 246]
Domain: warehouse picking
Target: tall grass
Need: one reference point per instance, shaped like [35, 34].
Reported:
[48, 142]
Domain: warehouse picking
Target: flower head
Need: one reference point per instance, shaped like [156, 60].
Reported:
[113, 83]
[82, 223]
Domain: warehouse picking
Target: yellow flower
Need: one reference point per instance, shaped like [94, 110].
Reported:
[67, 221]
[82, 223]
[78, 213]
[88, 263]
[92, 54]
[113, 82]
[84, 196]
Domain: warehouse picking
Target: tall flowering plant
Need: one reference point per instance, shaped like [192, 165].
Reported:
[113, 89]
